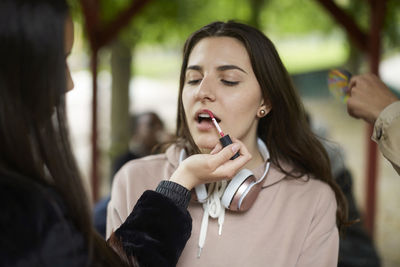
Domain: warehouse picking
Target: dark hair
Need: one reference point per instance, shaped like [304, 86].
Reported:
[284, 129]
[34, 139]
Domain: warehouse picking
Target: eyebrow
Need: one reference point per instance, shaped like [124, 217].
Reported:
[194, 67]
[230, 67]
[220, 68]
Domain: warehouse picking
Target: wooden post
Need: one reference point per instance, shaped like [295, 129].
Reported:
[99, 36]
[94, 169]
[377, 18]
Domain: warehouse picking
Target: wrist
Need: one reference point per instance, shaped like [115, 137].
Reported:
[182, 179]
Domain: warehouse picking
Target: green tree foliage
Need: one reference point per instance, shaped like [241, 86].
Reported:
[288, 17]
[171, 21]
[392, 26]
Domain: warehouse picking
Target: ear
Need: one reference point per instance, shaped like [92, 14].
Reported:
[264, 109]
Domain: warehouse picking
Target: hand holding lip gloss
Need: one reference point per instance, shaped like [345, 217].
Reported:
[225, 140]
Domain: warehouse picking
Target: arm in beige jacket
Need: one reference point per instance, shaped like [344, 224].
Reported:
[371, 100]
[387, 134]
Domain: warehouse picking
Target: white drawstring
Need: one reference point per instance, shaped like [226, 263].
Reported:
[212, 207]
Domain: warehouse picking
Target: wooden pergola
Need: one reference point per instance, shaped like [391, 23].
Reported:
[369, 42]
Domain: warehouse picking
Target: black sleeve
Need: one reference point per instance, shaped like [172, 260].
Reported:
[158, 228]
[34, 230]
[177, 193]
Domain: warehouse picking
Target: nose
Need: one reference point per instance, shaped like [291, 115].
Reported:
[70, 82]
[206, 90]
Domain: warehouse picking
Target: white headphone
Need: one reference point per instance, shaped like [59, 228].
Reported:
[243, 189]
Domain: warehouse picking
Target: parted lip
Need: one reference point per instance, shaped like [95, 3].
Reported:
[203, 112]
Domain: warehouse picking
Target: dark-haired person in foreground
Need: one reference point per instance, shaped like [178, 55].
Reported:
[45, 214]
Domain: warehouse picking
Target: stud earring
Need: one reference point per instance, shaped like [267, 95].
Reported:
[261, 113]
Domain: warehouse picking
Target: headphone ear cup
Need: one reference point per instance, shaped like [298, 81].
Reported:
[249, 196]
[235, 189]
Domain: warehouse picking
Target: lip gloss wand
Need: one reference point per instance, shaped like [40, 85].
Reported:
[225, 140]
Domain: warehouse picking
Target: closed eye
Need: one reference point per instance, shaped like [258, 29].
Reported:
[193, 82]
[229, 83]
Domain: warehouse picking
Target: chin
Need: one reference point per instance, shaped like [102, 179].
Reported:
[206, 144]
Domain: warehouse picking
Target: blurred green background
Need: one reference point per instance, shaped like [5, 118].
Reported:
[139, 71]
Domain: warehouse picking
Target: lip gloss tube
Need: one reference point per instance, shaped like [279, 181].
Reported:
[225, 140]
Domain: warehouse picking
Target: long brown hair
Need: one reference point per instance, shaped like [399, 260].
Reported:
[34, 141]
[285, 129]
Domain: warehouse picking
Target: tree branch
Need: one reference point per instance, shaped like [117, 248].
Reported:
[112, 29]
[91, 12]
[357, 36]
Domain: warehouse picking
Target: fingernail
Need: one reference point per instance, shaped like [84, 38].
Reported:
[235, 148]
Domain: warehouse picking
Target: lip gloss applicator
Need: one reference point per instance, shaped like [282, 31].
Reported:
[225, 140]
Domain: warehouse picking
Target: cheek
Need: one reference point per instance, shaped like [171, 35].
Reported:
[243, 109]
[246, 104]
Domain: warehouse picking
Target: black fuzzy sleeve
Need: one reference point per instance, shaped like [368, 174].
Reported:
[156, 231]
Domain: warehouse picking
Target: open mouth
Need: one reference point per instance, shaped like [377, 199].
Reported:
[205, 117]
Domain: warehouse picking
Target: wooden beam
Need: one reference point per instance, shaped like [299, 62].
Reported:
[357, 36]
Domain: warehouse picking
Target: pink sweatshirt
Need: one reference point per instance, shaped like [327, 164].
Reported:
[292, 222]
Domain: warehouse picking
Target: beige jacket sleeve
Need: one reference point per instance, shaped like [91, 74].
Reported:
[387, 134]
[321, 246]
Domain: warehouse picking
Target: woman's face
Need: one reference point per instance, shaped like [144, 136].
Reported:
[219, 77]
[68, 43]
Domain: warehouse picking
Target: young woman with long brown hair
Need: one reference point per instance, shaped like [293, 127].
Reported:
[293, 208]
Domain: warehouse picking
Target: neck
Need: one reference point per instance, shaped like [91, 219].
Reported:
[257, 158]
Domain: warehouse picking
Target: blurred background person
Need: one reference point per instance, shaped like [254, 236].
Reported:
[148, 133]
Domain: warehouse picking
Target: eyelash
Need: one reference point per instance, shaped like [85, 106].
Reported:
[193, 82]
[228, 83]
